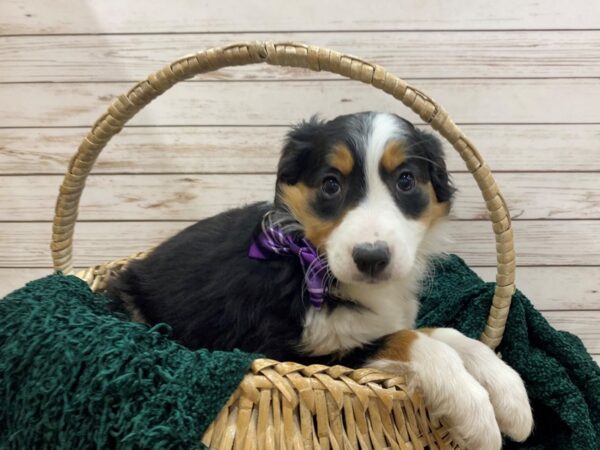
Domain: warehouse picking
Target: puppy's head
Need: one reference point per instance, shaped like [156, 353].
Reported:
[366, 188]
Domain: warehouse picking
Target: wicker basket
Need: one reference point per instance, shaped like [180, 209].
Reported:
[283, 404]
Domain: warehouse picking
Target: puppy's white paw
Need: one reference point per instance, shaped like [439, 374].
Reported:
[449, 391]
[476, 427]
[506, 388]
[513, 411]
[510, 401]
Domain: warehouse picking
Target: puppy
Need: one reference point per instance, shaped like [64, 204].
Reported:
[330, 272]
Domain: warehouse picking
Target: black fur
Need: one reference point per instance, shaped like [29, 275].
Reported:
[203, 284]
[428, 146]
[304, 159]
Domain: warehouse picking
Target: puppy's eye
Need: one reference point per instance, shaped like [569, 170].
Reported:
[331, 187]
[406, 182]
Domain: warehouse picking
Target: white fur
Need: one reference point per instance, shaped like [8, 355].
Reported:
[505, 386]
[327, 332]
[389, 305]
[461, 380]
[377, 217]
[449, 390]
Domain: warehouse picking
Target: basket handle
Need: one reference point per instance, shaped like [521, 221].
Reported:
[292, 55]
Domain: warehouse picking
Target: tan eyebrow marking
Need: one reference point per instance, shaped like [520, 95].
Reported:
[393, 156]
[341, 158]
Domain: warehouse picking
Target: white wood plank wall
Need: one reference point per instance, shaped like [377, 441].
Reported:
[522, 77]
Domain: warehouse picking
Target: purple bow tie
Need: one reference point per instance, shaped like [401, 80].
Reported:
[273, 241]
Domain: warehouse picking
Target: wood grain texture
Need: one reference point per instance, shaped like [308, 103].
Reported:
[190, 197]
[138, 16]
[551, 242]
[549, 288]
[584, 324]
[12, 279]
[283, 103]
[556, 288]
[256, 149]
[510, 54]
[522, 76]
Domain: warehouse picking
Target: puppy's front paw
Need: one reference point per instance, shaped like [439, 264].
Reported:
[513, 411]
[471, 416]
[449, 391]
[505, 386]
[510, 401]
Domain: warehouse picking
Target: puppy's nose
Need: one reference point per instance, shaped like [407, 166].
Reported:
[371, 258]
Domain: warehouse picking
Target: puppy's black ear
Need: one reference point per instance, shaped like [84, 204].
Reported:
[295, 156]
[432, 150]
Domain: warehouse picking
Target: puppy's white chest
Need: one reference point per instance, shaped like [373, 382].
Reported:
[385, 309]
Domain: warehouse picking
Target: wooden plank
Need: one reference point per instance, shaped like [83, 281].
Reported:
[585, 324]
[597, 359]
[139, 197]
[237, 103]
[156, 149]
[534, 196]
[506, 54]
[190, 197]
[549, 288]
[249, 149]
[138, 16]
[12, 279]
[537, 242]
[556, 288]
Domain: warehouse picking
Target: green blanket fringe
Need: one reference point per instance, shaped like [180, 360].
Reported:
[73, 375]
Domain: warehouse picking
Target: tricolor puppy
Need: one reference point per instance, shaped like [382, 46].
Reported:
[330, 272]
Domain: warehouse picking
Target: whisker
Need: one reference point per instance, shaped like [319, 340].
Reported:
[414, 144]
[426, 159]
[283, 220]
[290, 227]
[312, 264]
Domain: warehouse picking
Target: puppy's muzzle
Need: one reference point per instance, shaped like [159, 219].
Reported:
[371, 258]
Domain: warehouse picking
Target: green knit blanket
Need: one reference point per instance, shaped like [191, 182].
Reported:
[73, 375]
[562, 379]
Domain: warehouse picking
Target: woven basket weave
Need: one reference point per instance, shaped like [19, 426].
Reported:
[281, 405]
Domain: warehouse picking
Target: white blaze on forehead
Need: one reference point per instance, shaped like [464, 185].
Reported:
[390, 305]
[377, 217]
[381, 219]
[384, 128]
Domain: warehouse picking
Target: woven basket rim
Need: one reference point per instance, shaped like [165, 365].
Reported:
[315, 58]
[311, 406]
